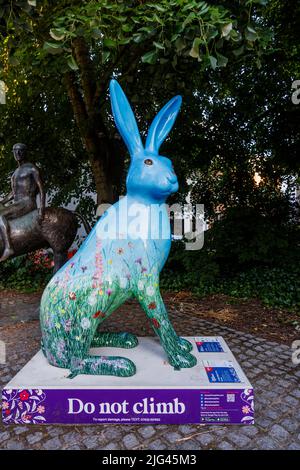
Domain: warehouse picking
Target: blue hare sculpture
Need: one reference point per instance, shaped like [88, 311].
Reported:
[121, 258]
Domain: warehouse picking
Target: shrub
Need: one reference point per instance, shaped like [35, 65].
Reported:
[27, 273]
[244, 255]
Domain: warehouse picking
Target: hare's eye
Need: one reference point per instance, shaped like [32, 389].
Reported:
[148, 161]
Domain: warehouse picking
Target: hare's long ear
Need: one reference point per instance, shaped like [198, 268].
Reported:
[162, 124]
[124, 118]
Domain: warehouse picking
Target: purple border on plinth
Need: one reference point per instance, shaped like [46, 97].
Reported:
[132, 406]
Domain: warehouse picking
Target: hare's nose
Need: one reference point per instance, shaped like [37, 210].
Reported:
[173, 178]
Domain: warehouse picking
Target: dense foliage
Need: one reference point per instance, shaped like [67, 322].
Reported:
[27, 273]
[244, 255]
[58, 56]
[235, 144]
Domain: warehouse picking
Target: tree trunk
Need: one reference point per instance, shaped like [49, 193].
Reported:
[106, 157]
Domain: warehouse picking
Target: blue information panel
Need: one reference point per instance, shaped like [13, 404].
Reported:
[222, 374]
[209, 346]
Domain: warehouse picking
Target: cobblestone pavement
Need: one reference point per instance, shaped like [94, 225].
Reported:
[267, 364]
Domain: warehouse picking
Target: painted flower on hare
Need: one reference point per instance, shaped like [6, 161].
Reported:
[150, 290]
[99, 314]
[85, 323]
[92, 300]
[155, 323]
[140, 285]
[152, 306]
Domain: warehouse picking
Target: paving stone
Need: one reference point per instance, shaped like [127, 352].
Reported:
[250, 430]
[279, 433]
[190, 444]
[157, 445]
[88, 429]
[225, 446]
[292, 401]
[130, 441]
[273, 414]
[3, 436]
[239, 440]
[15, 445]
[111, 446]
[186, 429]
[172, 436]
[112, 433]
[56, 431]
[290, 425]
[20, 429]
[147, 431]
[205, 439]
[293, 446]
[296, 393]
[73, 447]
[52, 444]
[35, 437]
[70, 437]
[266, 443]
[267, 364]
[221, 432]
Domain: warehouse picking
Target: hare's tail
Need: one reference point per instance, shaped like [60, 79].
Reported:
[102, 365]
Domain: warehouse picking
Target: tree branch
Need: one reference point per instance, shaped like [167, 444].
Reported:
[86, 69]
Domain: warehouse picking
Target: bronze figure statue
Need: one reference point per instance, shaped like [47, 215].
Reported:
[23, 226]
[26, 183]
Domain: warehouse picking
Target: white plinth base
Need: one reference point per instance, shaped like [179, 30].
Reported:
[215, 391]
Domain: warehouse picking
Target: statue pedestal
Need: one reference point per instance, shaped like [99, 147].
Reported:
[215, 391]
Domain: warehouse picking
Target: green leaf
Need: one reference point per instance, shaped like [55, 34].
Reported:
[222, 60]
[239, 51]
[260, 2]
[127, 28]
[213, 32]
[194, 52]
[105, 56]
[158, 45]
[110, 43]
[226, 29]
[204, 10]
[180, 44]
[124, 41]
[150, 57]
[58, 33]
[138, 37]
[250, 34]
[72, 63]
[213, 62]
[157, 7]
[235, 35]
[96, 33]
[13, 60]
[52, 47]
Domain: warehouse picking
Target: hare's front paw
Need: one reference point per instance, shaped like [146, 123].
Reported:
[184, 344]
[182, 359]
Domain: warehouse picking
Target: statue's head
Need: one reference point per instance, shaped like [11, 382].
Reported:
[19, 151]
[150, 174]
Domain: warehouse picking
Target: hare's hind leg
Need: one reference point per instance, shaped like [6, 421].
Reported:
[114, 340]
[177, 349]
[102, 365]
